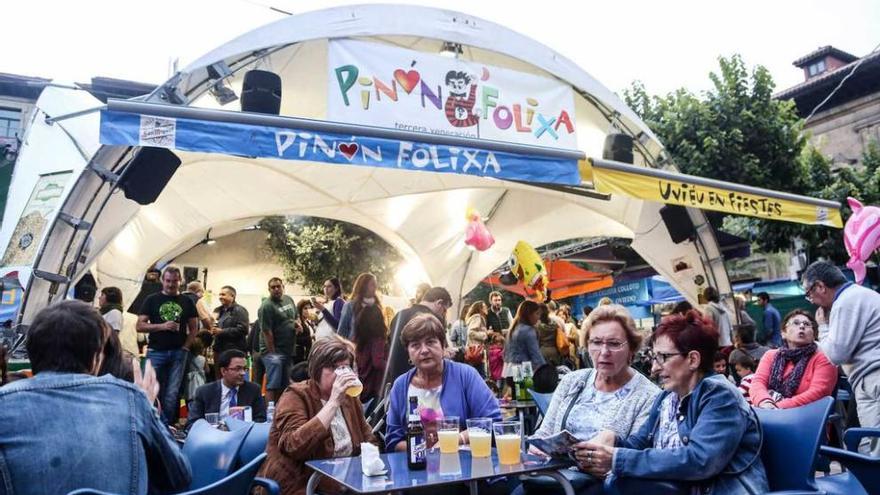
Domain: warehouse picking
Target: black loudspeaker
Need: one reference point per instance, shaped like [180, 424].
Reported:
[678, 222]
[618, 147]
[148, 173]
[261, 92]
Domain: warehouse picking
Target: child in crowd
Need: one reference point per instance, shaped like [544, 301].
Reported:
[496, 359]
[720, 365]
[744, 366]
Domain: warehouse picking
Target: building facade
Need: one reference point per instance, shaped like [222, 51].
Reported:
[843, 127]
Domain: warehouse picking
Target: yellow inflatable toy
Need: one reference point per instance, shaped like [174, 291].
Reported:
[527, 266]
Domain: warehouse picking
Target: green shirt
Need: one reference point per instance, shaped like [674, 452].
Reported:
[279, 318]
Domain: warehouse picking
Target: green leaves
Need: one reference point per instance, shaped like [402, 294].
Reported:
[738, 132]
[312, 250]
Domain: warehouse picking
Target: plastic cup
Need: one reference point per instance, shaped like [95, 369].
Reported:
[354, 390]
[212, 418]
[447, 435]
[480, 436]
[508, 440]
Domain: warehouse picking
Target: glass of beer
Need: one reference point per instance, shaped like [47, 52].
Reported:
[480, 436]
[354, 390]
[447, 435]
[508, 440]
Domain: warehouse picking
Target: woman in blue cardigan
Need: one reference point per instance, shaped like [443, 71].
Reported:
[443, 387]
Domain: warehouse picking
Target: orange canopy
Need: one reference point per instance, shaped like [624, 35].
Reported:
[566, 280]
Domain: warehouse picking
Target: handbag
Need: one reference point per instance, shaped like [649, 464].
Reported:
[562, 344]
[474, 354]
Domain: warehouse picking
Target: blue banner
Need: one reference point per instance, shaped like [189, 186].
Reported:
[255, 141]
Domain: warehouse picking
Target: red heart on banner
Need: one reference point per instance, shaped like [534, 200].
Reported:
[349, 150]
[407, 79]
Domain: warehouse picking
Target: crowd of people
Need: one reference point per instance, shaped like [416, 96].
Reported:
[676, 403]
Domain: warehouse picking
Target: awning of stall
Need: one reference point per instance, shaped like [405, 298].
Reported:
[565, 280]
[708, 194]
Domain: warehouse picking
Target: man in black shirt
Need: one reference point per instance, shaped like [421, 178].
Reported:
[171, 320]
[232, 323]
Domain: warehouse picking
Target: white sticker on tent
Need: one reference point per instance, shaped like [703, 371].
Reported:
[157, 131]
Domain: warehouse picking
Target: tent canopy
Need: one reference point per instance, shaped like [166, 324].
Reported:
[419, 212]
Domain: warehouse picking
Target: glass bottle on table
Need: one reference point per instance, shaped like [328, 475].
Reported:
[416, 443]
[527, 381]
[517, 381]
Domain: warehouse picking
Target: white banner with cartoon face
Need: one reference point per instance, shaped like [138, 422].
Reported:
[385, 86]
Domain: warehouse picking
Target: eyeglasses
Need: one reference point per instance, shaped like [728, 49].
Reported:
[611, 345]
[807, 295]
[661, 357]
[238, 369]
[801, 323]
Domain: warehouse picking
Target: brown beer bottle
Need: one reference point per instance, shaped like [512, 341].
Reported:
[416, 444]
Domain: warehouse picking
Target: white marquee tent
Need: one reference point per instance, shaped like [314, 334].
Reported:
[420, 213]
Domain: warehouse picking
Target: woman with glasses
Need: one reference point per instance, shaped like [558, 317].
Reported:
[796, 374]
[612, 396]
[317, 419]
[702, 435]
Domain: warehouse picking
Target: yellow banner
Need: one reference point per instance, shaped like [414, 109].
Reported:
[685, 193]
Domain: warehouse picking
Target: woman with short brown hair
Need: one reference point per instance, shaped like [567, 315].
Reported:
[316, 419]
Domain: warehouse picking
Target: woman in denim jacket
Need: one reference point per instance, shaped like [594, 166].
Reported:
[701, 437]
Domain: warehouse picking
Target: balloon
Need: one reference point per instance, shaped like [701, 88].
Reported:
[527, 266]
[476, 234]
[861, 236]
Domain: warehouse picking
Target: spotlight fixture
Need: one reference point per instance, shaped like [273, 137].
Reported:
[208, 241]
[219, 89]
[451, 49]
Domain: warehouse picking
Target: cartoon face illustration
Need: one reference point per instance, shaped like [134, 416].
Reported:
[458, 82]
[527, 266]
[461, 100]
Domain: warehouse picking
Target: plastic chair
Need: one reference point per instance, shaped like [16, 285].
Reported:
[254, 443]
[212, 453]
[863, 474]
[541, 400]
[791, 442]
[237, 483]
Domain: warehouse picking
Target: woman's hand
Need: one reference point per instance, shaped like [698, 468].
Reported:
[538, 452]
[768, 404]
[317, 304]
[594, 459]
[604, 437]
[342, 382]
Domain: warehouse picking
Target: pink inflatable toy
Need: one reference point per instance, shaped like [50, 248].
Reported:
[476, 234]
[861, 236]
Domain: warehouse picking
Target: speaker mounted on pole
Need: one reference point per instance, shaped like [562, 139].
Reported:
[261, 92]
[618, 147]
[678, 223]
[148, 173]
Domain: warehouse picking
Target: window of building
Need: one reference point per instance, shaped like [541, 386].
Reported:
[817, 68]
[10, 122]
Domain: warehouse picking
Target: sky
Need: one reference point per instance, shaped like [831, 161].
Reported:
[665, 44]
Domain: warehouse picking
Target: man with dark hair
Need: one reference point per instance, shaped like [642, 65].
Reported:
[719, 315]
[232, 323]
[436, 301]
[66, 429]
[499, 317]
[853, 338]
[171, 320]
[278, 327]
[772, 321]
[744, 341]
[231, 390]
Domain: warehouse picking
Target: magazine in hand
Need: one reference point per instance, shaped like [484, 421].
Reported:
[558, 445]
